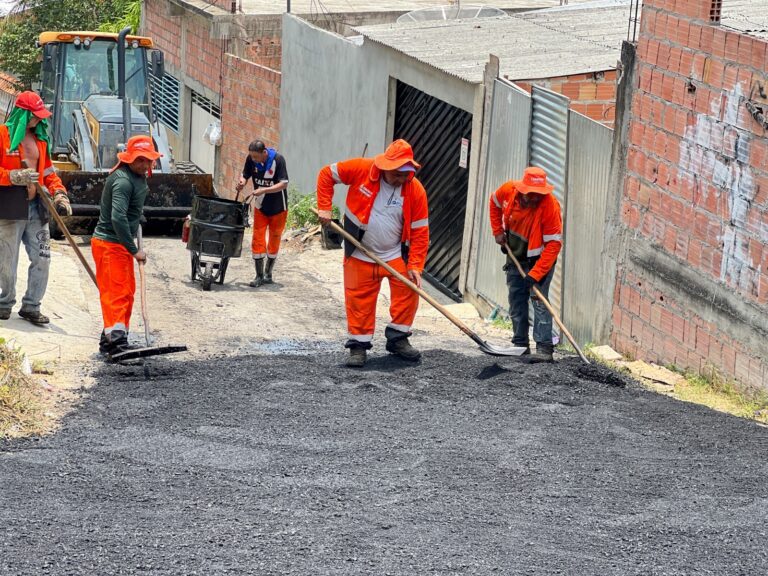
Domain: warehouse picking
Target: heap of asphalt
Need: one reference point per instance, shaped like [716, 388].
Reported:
[462, 464]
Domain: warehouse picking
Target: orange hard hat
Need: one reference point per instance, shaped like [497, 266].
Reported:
[397, 155]
[534, 181]
[139, 147]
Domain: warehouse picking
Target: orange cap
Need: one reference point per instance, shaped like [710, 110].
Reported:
[534, 181]
[397, 155]
[138, 147]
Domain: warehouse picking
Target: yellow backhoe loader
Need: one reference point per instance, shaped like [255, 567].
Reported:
[97, 85]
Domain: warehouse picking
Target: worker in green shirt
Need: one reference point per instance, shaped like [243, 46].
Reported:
[113, 246]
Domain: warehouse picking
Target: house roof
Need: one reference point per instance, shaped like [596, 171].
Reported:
[747, 16]
[534, 45]
[304, 7]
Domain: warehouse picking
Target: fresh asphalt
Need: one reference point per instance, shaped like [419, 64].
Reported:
[296, 465]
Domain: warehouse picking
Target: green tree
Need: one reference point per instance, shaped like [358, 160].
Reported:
[18, 54]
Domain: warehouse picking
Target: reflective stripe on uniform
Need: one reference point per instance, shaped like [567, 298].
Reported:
[361, 337]
[335, 174]
[420, 223]
[48, 171]
[399, 327]
[495, 200]
[260, 255]
[117, 326]
[553, 237]
[535, 252]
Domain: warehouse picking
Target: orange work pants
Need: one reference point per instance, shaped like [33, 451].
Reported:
[362, 282]
[267, 225]
[116, 281]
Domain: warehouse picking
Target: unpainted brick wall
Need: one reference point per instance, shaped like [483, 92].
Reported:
[593, 95]
[164, 29]
[696, 186]
[187, 43]
[250, 111]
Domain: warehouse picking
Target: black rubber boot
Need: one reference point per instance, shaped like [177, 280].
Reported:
[268, 270]
[259, 280]
[5, 313]
[104, 345]
[356, 358]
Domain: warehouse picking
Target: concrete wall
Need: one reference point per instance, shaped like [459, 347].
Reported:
[335, 97]
[692, 286]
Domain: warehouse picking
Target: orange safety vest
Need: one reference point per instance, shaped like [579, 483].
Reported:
[541, 227]
[362, 177]
[12, 160]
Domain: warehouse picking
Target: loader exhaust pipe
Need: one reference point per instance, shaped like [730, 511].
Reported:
[121, 82]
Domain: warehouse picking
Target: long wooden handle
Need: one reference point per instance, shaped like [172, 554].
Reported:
[546, 303]
[143, 287]
[63, 227]
[439, 307]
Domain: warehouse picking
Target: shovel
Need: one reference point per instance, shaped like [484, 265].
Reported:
[482, 344]
[149, 350]
[548, 306]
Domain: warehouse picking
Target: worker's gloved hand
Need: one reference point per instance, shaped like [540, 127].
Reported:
[61, 202]
[530, 281]
[23, 176]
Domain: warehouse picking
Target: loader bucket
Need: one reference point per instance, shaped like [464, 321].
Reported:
[168, 203]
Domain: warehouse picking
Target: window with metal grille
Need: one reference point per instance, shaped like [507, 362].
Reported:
[166, 94]
[206, 105]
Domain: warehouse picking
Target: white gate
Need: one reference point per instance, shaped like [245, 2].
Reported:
[204, 113]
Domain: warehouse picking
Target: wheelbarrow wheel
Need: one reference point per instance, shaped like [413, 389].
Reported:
[223, 269]
[207, 276]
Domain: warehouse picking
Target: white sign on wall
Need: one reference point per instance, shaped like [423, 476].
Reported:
[464, 153]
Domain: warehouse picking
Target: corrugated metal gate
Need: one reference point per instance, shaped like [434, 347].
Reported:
[435, 130]
[549, 150]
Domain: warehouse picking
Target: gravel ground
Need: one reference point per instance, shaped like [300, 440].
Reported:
[295, 465]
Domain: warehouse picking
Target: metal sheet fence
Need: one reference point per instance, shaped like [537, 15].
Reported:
[576, 152]
[507, 158]
[589, 168]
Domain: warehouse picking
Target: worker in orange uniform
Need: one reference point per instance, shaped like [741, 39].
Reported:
[526, 215]
[387, 210]
[267, 168]
[24, 161]
[113, 246]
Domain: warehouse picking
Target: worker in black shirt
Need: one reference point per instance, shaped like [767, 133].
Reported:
[266, 167]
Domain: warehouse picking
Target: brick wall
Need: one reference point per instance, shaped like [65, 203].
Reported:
[186, 40]
[204, 56]
[696, 193]
[593, 95]
[250, 111]
[164, 29]
[266, 48]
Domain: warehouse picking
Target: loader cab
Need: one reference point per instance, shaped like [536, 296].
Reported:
[79, 68]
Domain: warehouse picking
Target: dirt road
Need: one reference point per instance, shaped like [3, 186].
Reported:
[236, 460]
